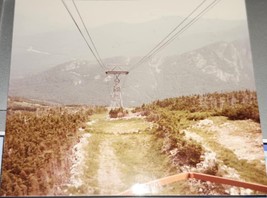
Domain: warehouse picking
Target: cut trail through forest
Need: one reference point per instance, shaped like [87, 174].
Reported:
[119, 153]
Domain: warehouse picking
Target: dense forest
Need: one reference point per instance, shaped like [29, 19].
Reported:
[39, 138]
[236, 105]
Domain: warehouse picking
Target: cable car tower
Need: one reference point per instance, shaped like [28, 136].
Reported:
[116, 97]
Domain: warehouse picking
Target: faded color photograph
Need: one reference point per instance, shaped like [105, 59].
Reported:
[132, 97]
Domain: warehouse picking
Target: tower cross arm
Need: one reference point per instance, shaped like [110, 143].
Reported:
[117, 72]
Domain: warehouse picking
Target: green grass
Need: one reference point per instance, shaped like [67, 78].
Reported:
[140, 159]
[118, 126]
[139, 154]
[98, 116]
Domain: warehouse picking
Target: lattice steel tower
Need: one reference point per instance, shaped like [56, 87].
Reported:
[116, 98]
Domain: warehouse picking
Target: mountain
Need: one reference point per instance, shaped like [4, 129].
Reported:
[37, 52]
[221, 66]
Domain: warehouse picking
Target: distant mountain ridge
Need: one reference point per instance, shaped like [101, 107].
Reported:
[221, 66]
[32, 53]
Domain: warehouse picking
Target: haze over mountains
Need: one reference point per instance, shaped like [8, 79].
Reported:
[213, 55]
[33, 53]
[221, 66]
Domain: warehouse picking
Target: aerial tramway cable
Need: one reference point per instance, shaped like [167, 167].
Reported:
[87, 43]
[87, 32]
[161, 45]
[166, 37]
[185, 27]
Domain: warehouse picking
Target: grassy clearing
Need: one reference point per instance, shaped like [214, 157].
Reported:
[118, 126]
[140, 160]
[90, 171]
[139, 154]
[241, 125]
[98, 116]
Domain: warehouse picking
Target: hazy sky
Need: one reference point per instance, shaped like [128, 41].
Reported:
[34, 16]
[45, 35]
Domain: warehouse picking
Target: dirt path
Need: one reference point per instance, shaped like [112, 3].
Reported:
[246, 146]
[244, 137]
[236, 146]
[108, 174]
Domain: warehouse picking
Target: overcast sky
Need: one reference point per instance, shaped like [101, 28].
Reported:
[45, 35]
[34, 16]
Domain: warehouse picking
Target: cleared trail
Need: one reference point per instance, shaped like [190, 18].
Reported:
[108, 174]
[119, 154]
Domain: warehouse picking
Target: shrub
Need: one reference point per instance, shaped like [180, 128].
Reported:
[117, 113]
[152, 117]
[198, 116]
[189, 152]
[242, 112]
[212, 170]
